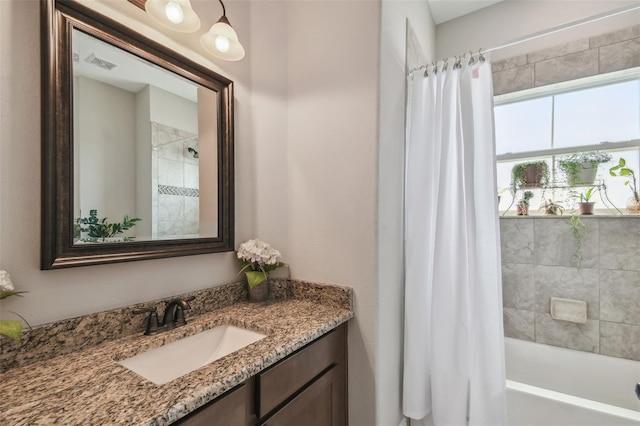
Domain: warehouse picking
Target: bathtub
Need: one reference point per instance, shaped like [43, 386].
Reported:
[550, 386]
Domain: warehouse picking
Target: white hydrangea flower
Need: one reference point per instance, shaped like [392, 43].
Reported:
[259, 253]
[5, 281]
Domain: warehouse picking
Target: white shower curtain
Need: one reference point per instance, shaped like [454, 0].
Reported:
[454, 345]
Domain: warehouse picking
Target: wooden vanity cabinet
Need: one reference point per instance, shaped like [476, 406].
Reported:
[309, 387]
[233, 408]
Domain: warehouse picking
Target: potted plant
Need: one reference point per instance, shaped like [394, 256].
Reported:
[553, 208]
[585, 206]
[581, 168]
[523, 204]
[620, 169]
[258, 259]
[532, 174]
[11, 329]
[99, 230]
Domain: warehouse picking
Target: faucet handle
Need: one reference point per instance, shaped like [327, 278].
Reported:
[153, 324]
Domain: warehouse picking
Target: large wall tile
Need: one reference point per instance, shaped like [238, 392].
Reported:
[583, 337]
[170, 207]
[568, 283]
[620, 56]
[568, 67]
[620, 244]
[516, 240]
[556, 245]
[615, 37]
[518, 286]
[559, 50]
[513, 79]
[620, 296]
[621, 340]
[515, 61]
[519, 324]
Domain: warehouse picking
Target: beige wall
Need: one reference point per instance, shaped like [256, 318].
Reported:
[106, 124]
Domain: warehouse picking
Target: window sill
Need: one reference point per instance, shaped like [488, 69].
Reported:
[597, 215]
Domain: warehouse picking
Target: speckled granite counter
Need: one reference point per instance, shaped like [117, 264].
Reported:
[88, 387]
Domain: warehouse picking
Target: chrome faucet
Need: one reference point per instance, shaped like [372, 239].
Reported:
[173, 316]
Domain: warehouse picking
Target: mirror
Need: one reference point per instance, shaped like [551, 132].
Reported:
[137, 146]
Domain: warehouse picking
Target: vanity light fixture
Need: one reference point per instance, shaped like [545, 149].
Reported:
[177, 15]
[221, 40]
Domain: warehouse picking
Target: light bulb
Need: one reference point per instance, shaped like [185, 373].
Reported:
[222, 44]
[174, 13]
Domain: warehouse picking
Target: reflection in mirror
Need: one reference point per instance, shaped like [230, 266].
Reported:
[137, 151]
[137, 145]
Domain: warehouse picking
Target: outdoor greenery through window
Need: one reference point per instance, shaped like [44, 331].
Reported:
[596, 114]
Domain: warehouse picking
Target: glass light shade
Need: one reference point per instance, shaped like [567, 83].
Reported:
[174, 13]
[177, 15]
[222, 42]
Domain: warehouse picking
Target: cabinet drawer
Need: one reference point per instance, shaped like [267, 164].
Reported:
[227, 410]
[279, 382]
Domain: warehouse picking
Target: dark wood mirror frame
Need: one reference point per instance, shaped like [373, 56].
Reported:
[59, 18]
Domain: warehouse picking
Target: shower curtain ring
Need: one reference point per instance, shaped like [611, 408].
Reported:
[481, 57]
[457, 65]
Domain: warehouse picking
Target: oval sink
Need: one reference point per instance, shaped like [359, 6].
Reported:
[173, 360]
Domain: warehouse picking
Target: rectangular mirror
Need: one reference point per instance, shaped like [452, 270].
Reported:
[137, 146]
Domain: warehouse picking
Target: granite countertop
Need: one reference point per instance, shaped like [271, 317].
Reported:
[90, 387]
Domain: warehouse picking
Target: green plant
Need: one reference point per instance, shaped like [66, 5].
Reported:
[553, 207]
[11, 329]
[518, 178]
[526, 197]
[586, 195]
[578, 230]
[620, 170]
[571, 164]
[99, 229]
[523, 203]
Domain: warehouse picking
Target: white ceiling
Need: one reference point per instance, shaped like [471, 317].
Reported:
[446, 10]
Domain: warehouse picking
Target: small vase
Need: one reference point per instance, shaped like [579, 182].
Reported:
[259, 292]
[633, 205]
[523, 210]
[586, 208]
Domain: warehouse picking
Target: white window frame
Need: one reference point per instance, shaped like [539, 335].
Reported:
[553, 90]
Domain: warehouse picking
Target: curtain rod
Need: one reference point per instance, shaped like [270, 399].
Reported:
[566, 26]
[549, 31]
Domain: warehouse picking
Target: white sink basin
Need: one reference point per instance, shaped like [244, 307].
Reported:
[168, 362]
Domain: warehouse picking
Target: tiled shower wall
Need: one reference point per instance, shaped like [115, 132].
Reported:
[577, 59]
[536, 265]
[536, 253]
[175, 182]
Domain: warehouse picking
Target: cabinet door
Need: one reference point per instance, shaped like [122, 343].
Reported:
[320, 404]
[283, 380]
[228, 410]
